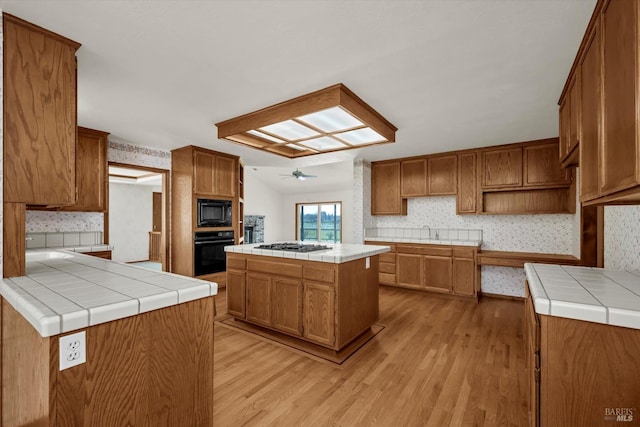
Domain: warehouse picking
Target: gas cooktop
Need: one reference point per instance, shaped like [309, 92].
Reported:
[293, 247]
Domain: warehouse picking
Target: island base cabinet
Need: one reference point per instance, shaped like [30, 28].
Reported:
[320, 303]
[155, 368]
[236, 291]
[319, 316]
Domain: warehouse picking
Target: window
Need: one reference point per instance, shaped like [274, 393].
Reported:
[319, 222]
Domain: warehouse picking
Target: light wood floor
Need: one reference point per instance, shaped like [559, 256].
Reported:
[438, 362]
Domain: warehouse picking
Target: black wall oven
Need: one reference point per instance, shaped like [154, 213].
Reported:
[214, 213]
[208, 253]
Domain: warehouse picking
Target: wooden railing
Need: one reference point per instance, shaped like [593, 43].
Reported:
[154, 246]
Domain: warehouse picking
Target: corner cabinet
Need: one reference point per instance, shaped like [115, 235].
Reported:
[39, 115]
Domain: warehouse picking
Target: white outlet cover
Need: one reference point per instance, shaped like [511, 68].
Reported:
[73, 350]
[367, 262]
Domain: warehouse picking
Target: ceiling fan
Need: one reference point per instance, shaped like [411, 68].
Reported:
[297, 174]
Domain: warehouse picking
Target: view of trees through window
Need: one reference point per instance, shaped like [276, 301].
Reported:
[319, 222]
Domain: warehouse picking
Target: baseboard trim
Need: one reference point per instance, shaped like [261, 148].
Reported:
[500, 296]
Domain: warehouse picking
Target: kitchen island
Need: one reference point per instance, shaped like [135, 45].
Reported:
[326, 298]
[582, 340]
[148, 344]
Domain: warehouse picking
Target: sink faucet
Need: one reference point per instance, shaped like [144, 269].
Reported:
[428, 228]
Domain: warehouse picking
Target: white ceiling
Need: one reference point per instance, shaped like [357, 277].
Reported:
[449, 74]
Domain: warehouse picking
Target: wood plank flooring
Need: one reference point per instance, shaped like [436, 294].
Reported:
[438, 362]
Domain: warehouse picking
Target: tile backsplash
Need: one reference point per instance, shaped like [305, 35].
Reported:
[63, 239]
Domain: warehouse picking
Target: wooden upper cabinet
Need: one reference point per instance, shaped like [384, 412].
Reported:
[413, 181]
[224, 176]
[467, 197]
[214, 175]
[92, 171]
[39, 83]
[542, 166]
[203, 175]
[620, 82]
[590, 65]
[570, 157]
[501, 167]
[442, 176]
[385, 189]
[569, 123]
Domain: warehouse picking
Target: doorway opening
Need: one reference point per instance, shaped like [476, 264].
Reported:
[137, 225]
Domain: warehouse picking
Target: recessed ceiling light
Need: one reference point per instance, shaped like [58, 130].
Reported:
[290, 130]
[331, 120]
[323, 143]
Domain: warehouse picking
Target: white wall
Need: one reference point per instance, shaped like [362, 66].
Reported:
[1, 146]
[260, 199]
[130, 221]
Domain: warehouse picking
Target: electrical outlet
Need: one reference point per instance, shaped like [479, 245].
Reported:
[73, 350]
[367, 263]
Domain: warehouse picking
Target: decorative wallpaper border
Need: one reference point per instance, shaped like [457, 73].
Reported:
[138, 149]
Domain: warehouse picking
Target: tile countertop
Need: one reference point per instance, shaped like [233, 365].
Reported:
[336, 254]
[592, 294]
[475, 243]
[64, 291]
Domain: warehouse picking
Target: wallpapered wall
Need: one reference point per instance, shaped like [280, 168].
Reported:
[622, 237]
[118, 151]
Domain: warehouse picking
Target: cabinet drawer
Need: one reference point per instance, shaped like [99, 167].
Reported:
[279, 268]
[320, 274]
[388, 258]
[236, 263]
[387, 267]
[463, 252]
[424, 250]
[387, 279]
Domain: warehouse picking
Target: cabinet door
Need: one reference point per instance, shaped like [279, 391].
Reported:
[204, 164]
[501, 168]
[442, 175]
[565, 126]
[224, 176]
[409, 270]
[620, 148]
[542, 166]
[591, 113]
[532, 352]
[385, 190]
[414, 178]
[39, 115]
[259, 298]
[236, 293]
[437, 273]
[464, 276]
[286, 303]
[319, 313]
[91, 171]
[467, 184]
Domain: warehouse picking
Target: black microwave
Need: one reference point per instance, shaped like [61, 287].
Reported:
[214, 213]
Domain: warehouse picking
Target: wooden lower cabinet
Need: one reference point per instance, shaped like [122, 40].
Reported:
[581, 373]
[435, 268]
[323, 303]
[319, 314]
[286, 305]
[236, 291]
[259, 298]
[154, 369]
[410, 270]
[437, 273]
